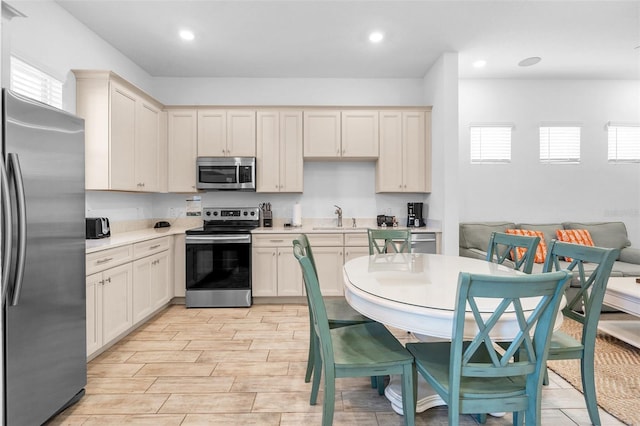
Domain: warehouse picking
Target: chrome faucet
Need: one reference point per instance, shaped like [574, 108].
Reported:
[339, 213]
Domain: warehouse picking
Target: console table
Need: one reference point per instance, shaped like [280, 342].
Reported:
[623, 293]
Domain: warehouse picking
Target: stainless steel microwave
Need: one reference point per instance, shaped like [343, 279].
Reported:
[226, 173]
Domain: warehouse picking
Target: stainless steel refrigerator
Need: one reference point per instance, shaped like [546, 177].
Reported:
[43, 260]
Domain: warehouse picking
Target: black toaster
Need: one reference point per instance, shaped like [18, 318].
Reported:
[98, 227]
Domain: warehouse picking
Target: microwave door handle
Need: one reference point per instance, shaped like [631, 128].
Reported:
[14, 162]
[7, 236]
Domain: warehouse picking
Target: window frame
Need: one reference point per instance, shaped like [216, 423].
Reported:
[495, 159]
[552, 158]
[636, 140]
[32, 82]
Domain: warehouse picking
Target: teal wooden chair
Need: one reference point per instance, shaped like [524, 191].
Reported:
[389, 240]
[478, 376]
[502, 247]
[584, 308]
[359, 350]
[339, 314]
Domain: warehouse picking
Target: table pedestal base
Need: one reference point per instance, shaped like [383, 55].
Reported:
[427, 397]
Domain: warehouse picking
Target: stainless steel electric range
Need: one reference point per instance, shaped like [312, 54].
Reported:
[218, 258]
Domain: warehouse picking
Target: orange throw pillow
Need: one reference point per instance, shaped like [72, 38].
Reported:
[574, 236]
[541, 251]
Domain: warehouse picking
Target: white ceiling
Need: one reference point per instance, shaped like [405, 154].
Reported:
[329, 38]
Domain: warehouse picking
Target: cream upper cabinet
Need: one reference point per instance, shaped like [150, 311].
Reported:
[322, 134]
[147, 170]
[123, 138]
[340, 134]
[123, 133]
[404, 164]
[279, 151]
[182, 148]
[359, 134]
[226, 133]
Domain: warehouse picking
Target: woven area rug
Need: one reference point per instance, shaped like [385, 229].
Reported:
[617, 370]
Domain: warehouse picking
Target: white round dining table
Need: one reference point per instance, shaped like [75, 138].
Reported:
[417, 293]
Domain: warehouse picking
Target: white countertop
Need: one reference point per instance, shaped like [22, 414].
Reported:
[132, 237]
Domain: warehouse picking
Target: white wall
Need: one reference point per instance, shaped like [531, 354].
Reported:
[54, 41]
[441, 91]
[526, 190]
[288, 91]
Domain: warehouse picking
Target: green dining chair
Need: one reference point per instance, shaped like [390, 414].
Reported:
[477, 376]
[359, 350]
[584, 307]
[339, 314]
[389, 240]
[503, 249]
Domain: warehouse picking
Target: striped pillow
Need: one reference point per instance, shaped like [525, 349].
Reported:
[541, 251]
[574, 236]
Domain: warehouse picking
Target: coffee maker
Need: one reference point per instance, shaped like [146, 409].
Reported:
[415, 216]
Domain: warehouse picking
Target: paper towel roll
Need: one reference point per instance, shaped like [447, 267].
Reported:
[297, 215]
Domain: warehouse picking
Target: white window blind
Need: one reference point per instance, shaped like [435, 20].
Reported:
[30, 81]
[624, 142]
[490, 143]
[559, 144]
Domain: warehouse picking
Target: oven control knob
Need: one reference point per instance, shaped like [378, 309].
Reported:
[215, 213]
[245, 213]
[253, 213]
[208, 213]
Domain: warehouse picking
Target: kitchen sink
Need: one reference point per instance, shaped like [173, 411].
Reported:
[339, 228]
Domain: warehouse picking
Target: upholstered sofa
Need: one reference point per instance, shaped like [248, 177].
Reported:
[474, 240]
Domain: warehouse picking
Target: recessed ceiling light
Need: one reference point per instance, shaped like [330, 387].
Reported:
[187, 35]
[479, 63]
[529, 61]
[376, 37]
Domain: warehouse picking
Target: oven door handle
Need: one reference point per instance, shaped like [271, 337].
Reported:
[211, 239]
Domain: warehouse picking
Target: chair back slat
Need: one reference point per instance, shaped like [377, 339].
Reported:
[504, 247]
[593, 266]
[389, 241]
[482, 356]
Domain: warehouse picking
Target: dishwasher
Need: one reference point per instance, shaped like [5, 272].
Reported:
[423, 242]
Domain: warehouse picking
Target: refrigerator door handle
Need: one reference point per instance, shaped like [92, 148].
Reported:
[7, 236]
[14, 163]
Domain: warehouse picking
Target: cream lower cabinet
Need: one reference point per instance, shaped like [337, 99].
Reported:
[274, 269]
[151, 285]
[109, 305]
[328, 253]
[125, 286]
[355, 245]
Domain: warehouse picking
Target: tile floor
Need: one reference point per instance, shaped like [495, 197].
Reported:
[245, 366]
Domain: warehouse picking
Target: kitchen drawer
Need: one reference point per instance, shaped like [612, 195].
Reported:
[273, 240]
[326, 240]
[361, 239]
[150, 247]
[105, 259]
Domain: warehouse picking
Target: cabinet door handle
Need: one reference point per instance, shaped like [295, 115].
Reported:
[101, 261]
[108, 280]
